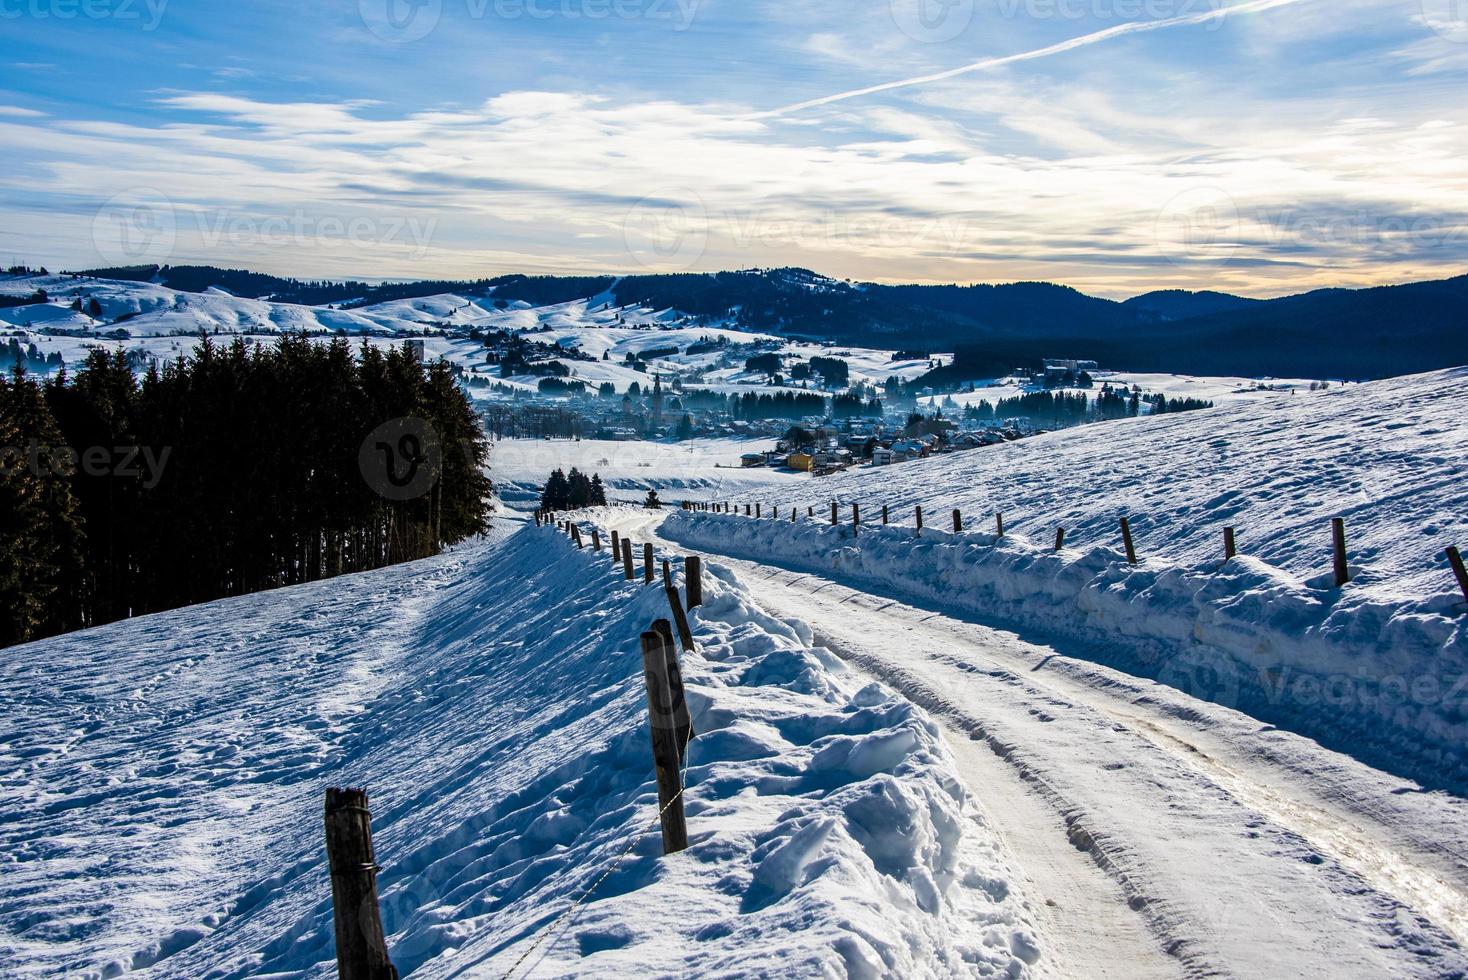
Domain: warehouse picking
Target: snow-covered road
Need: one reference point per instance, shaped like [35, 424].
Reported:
[1167, 835]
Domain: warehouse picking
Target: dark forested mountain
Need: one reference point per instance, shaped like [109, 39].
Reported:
[1180, 304]
[1365, 333]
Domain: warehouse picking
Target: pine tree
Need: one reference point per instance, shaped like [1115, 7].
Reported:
[557, 493]
[40, 532]
[598, 492]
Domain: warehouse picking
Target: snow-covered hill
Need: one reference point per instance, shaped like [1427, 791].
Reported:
[161, 783]
[1381, 664]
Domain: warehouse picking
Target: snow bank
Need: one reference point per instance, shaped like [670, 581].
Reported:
[1388, 679]
[161, 783]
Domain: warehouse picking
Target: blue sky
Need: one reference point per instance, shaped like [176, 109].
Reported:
[1259, 146]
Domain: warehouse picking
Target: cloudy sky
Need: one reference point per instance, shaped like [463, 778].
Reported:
[1258, 146]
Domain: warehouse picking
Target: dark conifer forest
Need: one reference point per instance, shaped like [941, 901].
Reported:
[234, 470]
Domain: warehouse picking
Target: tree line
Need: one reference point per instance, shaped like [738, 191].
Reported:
[233, 470]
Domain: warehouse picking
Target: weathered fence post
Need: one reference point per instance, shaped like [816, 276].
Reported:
[957, 521]
[616, 547]
[1230, 544]
[1059, 538]
[747, 510]
[810, 512]
[1126, 537]
[660, 712]
[757, 511]
[920, 518]
[1456, 560]
[627, 558]
[1338, 545]
[855, 520]
[361, 947]
[999, 524]
[693, 572]
[835, 518]
[685, 634]
[576, 534]
[793, 517]
[595, 539]
[884, 515]
[647, 562]
[682, 721]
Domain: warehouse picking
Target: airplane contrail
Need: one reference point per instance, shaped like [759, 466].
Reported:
[1133, 27]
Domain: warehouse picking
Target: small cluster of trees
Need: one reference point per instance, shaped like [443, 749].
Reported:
[231, 471]
[573, 492]
[29, 359]
[851, 405]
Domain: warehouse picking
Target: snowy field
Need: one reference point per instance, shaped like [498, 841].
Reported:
[163, 778]
[698, 468]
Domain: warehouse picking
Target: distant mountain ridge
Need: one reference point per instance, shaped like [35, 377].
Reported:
[1346, 333]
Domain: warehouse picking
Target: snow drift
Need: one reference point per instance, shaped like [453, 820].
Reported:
[1388, 680]
[161, 783]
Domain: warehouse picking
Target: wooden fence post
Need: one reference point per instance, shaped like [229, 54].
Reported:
[596, 539]
[835, 518]
[685, 634]
[920, 518]
[682, 721]
[1126, 537]
[627, 558]
[884, 515]
[693, 572]
[1338, 545]
[957, 521]
[616, 547]
[1461, 573]
[757, 512]
[664, 743]
[361, 947]
[747, 510]
[810, 512]
[647, 562]
[1230, 544]
[855, 520]
[999, 524]
[793, 517]
[576, 534]
[1059, 538]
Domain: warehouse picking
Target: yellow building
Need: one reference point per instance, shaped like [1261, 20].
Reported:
[800, 461]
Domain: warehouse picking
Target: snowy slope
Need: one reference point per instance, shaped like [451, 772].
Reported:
[162, 783]
[155, 310]
[1380, 665]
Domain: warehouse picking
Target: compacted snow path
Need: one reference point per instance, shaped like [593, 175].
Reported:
[1209, 843]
